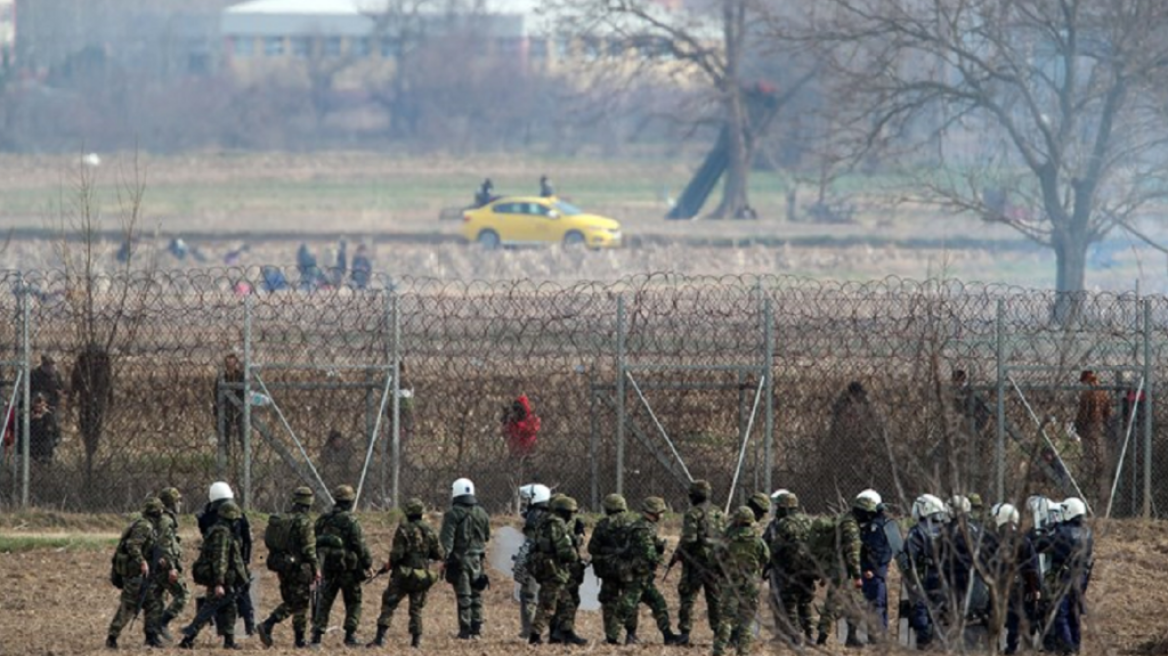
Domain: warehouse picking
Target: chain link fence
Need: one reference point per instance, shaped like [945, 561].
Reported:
[182, 378]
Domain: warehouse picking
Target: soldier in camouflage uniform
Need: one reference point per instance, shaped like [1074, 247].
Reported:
[638, 569]
[702, 529]
[565, 617]
[743, 557]
[298, 573]
[537, 497]
[168, 579]
[607, 547]
[551, 563]
[466, 529]
[415, 545]
[794, 567]
[760, 505]
[841, 567]
[345, 564]
[131, 570]
[228, 573]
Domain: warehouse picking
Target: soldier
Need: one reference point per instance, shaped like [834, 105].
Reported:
[880, 542]
[1013, 566]
[131, 571]
[552, 562]
[345, 564]
[219, 494]
[415, 545]
[839, 560]
[537, 497]
[638, 571]
[759, 504]
[743, 557]
[297, 567]
[607, 548]
[702, 529]
[221, 568]
[466, 529]
[794, 567]
[168, 579]
[1071, 550]
[921, 565]
[962, 546]
[565, 618]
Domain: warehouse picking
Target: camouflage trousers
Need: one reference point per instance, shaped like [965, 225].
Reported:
[224, 617]
[739, 605]
[694, 579]
[128, 604]
[348, 584]
[295, 597]
[528, 599]
[394, 593]
[470, 601]
[842, 601]
[643, 591]
[553, 594]
[796, 595]
[564, 620]
[611, 591]
[179, 595]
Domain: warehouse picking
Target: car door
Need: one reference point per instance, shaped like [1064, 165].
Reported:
[546, 222]
[507, 219]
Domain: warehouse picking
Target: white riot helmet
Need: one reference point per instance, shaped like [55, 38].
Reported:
[533, 493]
[778, 494]
[220, 490]
[461, 487]
[958, 505]
[928, 506]
[871, 494]
[1072, 508]
[1004, 513]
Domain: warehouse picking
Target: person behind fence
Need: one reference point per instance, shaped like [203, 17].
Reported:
[774, 597]
[46, 380]
[336, 458]
[564, 622]
[880, 542]
[130, 572]
[856, 427]
[362, 271]
[291, 542]
[741, 558]
[968, 404]
[484, 193]
[44, 432]
[1071, 547]
[1091, 423]
[835, 543]
[219, 495]
[606, 547]
[536, 497]
[964, 537]
[551, 563]
[415, 546]
[546, 190]
[466, 529]
[702, 528]
[168, 577]
[520, 427]
[346, 563]
[643, 553]
[1012, 565]
[794, 567]
[220, 568]
[921, 566]
[227, 400]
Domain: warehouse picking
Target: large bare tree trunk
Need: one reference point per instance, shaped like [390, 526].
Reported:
[1070, 252]
[734, 194]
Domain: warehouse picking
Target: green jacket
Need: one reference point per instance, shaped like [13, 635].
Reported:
[415, 544]
[223, 551]
[466, 529]
[701, 531]
[169, 541]
[610, 542]
[790, 553]
[344, 525]
[645, 552]
[743, 555]
[305, 538]
[554, 551]
[135, 547]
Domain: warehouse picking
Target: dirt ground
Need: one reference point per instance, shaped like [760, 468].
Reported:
[57, 601]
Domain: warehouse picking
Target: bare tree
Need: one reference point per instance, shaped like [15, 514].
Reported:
[1059, 104]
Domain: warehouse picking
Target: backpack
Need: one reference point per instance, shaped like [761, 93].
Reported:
[118, 562]
[821, 541]
[331, 546]
[279, 538]
[203, 571]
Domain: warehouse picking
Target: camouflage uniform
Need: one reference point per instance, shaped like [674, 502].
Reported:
[607, 547]
[743, 557]
[466, 529]
[638, 567]
[345, 561]
[415, 544]
[794, 569]
[565, 618]
[137, 546]
[528, 587]
[297, 573]
[552, 561]
[171, 549]
[702, 528]
[223, 551]
[842, 569]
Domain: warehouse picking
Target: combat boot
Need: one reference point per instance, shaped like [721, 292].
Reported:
[379, 639]
[534, 639]
[570, 638]
[476, 630]
[153, 641]
[188, 642]
[554, 638]
[351, 639]
[631, 639]
[682, 639]
[229, 642]
[822, 639]
[416, 641]
[612, 641]
[265, 631]
[163, 631]
[111, 642]
[300, 642]
[316, 636]
[670, 638]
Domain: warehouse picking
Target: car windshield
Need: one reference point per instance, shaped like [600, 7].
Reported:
[568, 209]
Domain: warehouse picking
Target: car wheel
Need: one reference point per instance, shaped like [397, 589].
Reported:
[488, 239]
[574, 240]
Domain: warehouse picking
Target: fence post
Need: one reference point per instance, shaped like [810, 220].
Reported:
[593, 440]
[1000, 443]
[768, 371]
[25, 356]
[247, 319]
[620, 394]
[1149, 396]
[393, 307]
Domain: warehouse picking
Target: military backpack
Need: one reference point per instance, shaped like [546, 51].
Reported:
[280, 539]
[332, 547]
[121, 556]
[822, 540]
[203, 570]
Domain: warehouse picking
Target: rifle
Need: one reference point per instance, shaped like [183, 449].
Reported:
[376, 575]
[148, 580]
[672, 561]
[209, 609]
[316, 592]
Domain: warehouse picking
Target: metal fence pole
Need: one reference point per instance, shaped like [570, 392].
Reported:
[593, 440]
[392, 306]
[1000, 443]
[25, 357]
[620, 394]
[1149, 396]
[769, 416]
[247, 483]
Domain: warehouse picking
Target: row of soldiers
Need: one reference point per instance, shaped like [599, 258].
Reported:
[946, 551]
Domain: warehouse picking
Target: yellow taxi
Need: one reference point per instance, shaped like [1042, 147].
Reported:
[532, 220]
